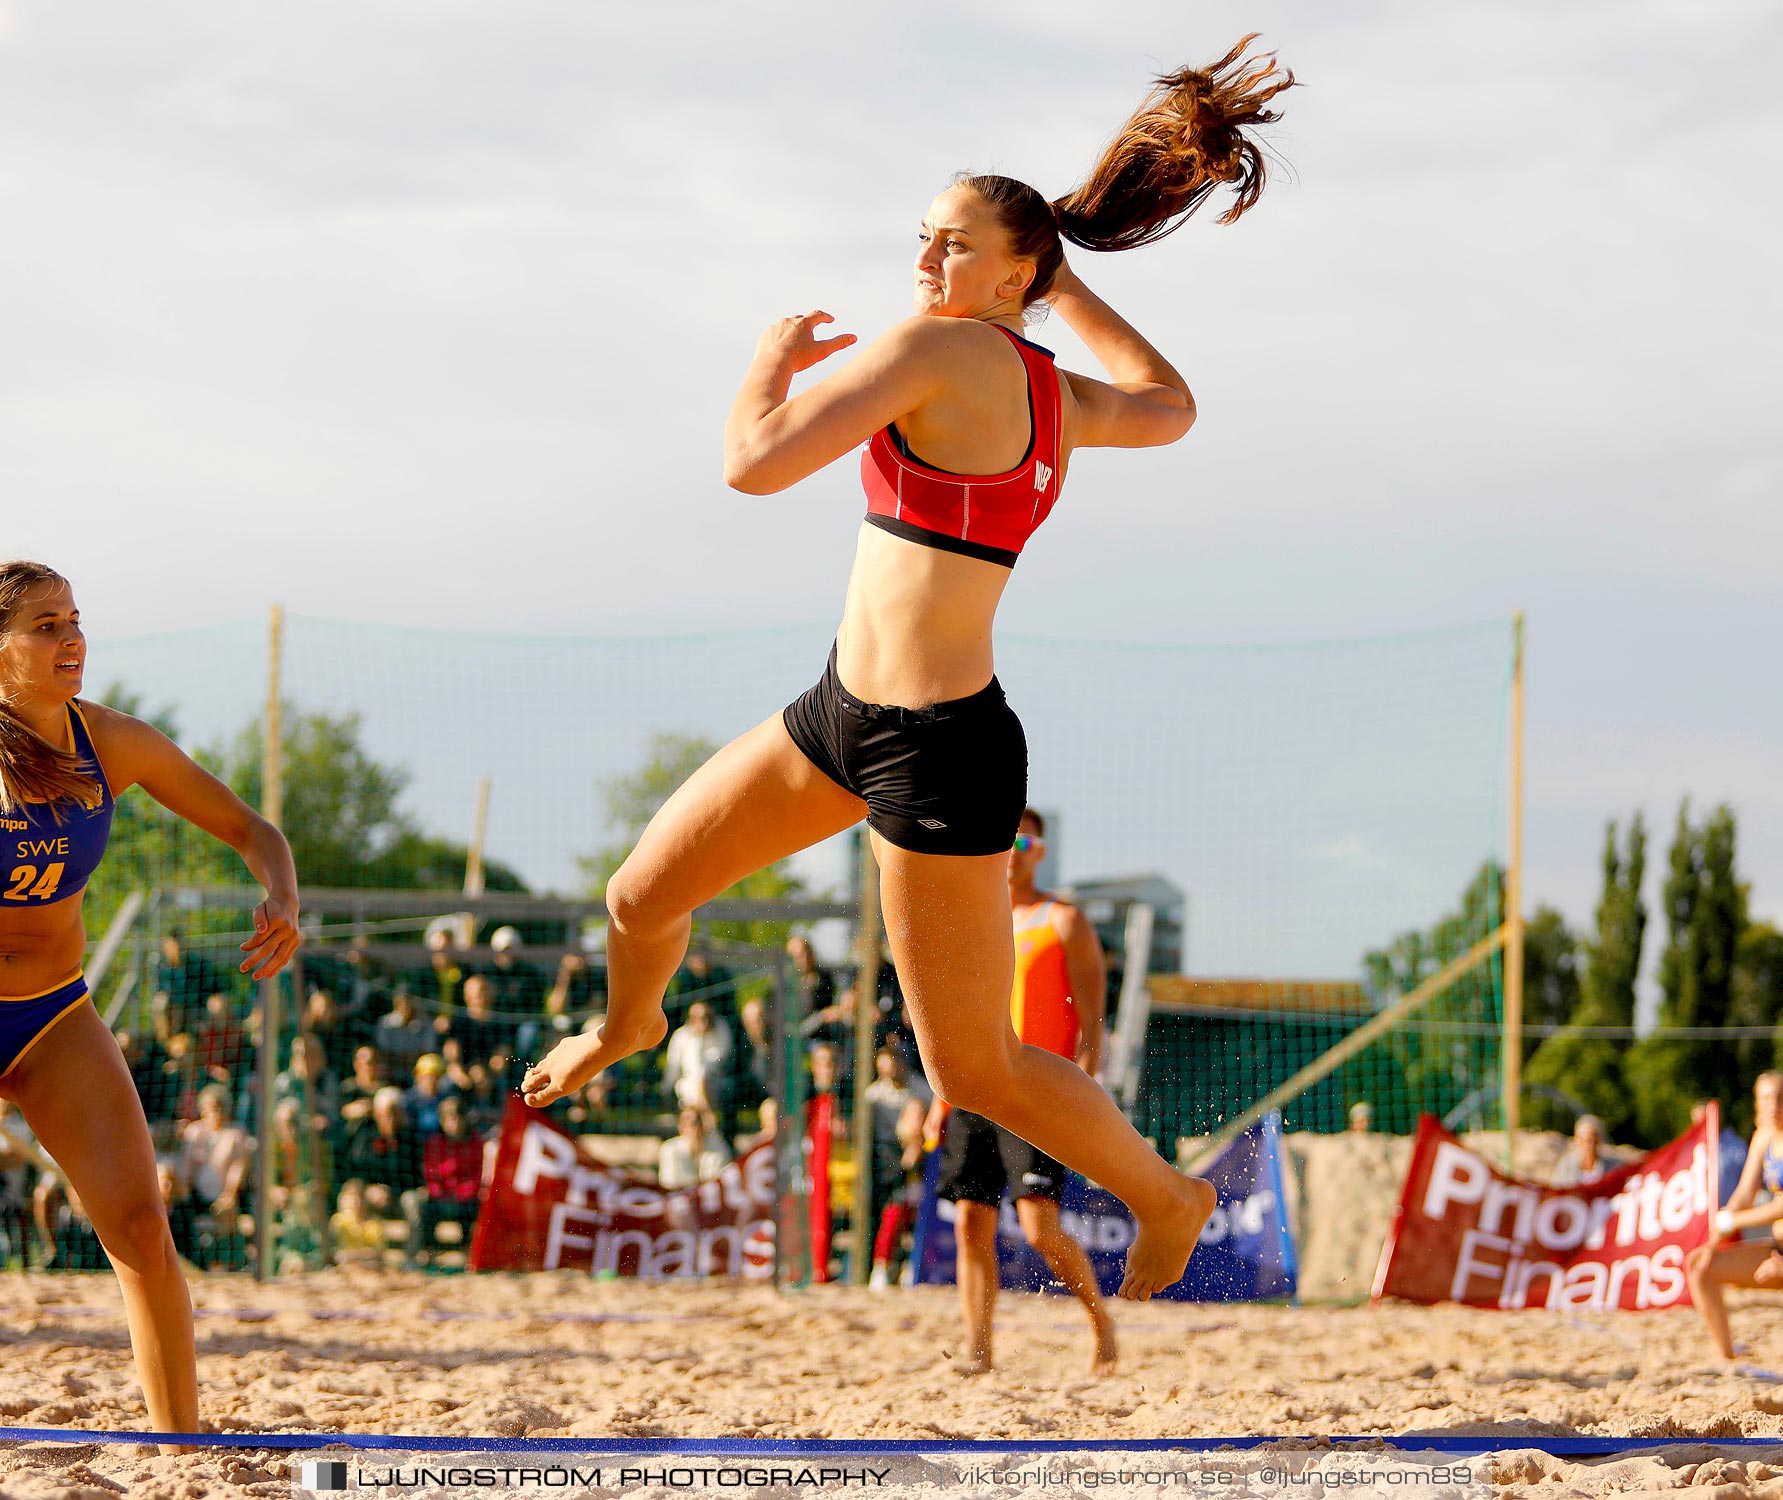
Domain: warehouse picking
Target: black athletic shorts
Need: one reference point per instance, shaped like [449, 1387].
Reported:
[951, 778]
[979, 1158]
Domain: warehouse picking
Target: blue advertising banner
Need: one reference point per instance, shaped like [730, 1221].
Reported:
[1245, 1255]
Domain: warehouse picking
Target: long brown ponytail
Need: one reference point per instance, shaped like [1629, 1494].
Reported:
[31, 768]
[1188, 138]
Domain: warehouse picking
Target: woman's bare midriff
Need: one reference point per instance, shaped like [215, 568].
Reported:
[916, 627]
[40, 949]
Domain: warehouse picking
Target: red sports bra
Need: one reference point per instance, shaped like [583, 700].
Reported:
[990, 516]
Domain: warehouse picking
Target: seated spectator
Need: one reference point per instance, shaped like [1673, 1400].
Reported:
[215, 1158]
[699, 979]
[356, 1092]
[308, 1081]
[185, 978]
[402, 1035]
[294, 1200]
[516, 985]
[422, 1101]
[485, 1037]
[221, 1044]
[182, 1213]
[483, 1099]
[321, 1019]
[16, 1169]
[383, 1153]
[146, 1059]
[694, 1153]
[697, 1064]
[902, 1203]
[74, 1244]
[770, 1121]
[573, 994]
[1583, 1162]
[452, 1169]
[357, 1233]
[1361, 1117]
[752, 1057]
[181, 1077]
[445, 971]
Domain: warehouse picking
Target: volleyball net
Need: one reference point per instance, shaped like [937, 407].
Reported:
[1295, 855]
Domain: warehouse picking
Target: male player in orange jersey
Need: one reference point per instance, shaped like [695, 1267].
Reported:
[1060, 1004]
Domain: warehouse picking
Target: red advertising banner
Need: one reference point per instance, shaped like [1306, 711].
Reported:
[551, 1206]
[1467, 1233]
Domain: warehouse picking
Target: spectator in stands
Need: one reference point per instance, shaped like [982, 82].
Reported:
[1361, 1117]
[1583, 1162]
[572, 995]
[182, 1214]
[294, 1200]
[186, 978]
[483, 1099]
[221, 1044]
[770, 1122]
[308, 1080]
[321, 1019]
[74, 1246]
[516, 986]
[452, 1171]
[424, 1097]
[443, 964]
[402, 1036]
[695, 1152]
[357, 1233]
[16, 1167]
[815, 1007]
[752, 1057]
[384, 1154]
[697, 1064]
[181, 1077]
[356, 1092]
[699, 978]
[215, 1157]
[484, 1036]
[904, 1199]
[147, 1060]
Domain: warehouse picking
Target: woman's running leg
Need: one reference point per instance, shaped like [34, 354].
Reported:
[953, 941]
[74, 1091]
[757, 800]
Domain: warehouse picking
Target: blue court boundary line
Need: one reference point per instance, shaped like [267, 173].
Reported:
[1477, 1446]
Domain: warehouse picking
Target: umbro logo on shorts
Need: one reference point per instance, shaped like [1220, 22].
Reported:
[931, 823]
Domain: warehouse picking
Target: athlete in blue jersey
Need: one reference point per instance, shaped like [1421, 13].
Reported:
[1728, 1260]
[62, 762]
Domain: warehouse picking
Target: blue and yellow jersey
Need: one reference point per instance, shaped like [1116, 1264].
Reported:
[45, 858]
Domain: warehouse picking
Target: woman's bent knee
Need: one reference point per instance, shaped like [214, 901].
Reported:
[138, 1239]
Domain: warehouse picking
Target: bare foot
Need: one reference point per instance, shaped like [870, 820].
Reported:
[576, 1059]
[1107, 1355]
[1770, 1271]
[1161, 1249]
[973, 1364]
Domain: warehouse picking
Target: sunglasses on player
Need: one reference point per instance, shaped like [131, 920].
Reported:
[1025, 842]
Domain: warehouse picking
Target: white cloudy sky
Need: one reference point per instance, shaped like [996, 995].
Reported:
[428, 312]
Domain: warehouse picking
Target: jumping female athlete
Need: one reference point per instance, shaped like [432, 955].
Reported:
[1727, 1260]
[969, 430]
[62, 764]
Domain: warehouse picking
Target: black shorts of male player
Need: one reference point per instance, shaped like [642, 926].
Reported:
[980, 1159]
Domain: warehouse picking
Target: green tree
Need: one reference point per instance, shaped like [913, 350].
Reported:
[342, 814]
[1705, 914]
[1588, 1069]
[631, 801]
[1552, 969]
[1757, 1002]
[151, 847]
[1440, 1060]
